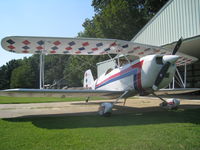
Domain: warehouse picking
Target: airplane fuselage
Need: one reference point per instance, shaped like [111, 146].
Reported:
[138, 75]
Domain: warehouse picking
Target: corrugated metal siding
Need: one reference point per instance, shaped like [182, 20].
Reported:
[179, 18]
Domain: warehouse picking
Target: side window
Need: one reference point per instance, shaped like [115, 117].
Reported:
[108, 71]
[159, 60]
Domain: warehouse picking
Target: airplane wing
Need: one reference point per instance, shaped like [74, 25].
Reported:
[60, 93]
[85, 46]
[176, 91]
[85, 93]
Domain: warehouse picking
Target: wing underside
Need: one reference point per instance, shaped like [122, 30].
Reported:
[176, 91]
[85, 93]
[85, 46]
[60, 93]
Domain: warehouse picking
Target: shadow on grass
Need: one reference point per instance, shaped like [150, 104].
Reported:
[137, 117]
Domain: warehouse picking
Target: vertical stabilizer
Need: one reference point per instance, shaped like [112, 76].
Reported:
[88, 80]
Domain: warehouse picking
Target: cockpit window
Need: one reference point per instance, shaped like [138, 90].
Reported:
[108, 71]
[159, 60]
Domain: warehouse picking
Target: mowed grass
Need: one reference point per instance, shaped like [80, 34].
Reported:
[18, 100]
[165, 130]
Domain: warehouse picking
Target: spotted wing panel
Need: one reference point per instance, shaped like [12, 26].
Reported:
[85, 46]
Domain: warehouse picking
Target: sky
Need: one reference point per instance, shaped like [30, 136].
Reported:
[54, 18]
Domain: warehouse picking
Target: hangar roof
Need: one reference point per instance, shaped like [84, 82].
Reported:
[178, 18]
[190, 46]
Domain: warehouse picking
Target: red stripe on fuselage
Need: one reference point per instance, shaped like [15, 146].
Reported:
[139, 66]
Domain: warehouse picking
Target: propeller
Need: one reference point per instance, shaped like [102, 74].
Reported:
[168, 61]
[162, 73]
[176, 48]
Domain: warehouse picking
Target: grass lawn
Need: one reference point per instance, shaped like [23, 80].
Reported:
[165, 130]
[17, 100]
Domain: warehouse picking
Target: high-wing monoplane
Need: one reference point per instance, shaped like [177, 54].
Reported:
[152, 71]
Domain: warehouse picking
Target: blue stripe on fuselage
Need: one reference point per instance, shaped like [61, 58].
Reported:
[132, 72]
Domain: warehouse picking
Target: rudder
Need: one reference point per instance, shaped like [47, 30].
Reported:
[88, 82]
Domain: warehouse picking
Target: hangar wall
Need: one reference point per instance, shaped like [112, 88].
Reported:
[178, 18]
[193, 75]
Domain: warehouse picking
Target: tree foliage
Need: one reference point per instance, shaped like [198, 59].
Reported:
[23, 77]
[54, 67]
[6, 73]
[26, 75]
[120, 19]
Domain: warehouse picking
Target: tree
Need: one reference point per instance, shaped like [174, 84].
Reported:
[6, 72]
[26, 74]
[54, 67]
[151, 7]
[3, 78]
[23, 77]
[120, 19]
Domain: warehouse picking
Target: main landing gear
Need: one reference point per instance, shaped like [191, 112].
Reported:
[170, 104]
[105, 109]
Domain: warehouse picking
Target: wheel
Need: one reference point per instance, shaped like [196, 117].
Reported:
[105, 109]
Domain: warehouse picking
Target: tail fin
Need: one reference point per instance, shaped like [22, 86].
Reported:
[88, 80]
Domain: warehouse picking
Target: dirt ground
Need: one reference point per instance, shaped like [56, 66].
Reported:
[135, 105]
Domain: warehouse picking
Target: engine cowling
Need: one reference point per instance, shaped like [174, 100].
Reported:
[171, 103]
[105, 109]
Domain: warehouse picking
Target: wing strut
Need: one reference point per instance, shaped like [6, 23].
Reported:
[41, 71]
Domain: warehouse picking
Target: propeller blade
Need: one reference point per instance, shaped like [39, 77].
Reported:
[178, 44]
[161, 75]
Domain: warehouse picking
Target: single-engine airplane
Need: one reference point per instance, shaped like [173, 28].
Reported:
[152, 71]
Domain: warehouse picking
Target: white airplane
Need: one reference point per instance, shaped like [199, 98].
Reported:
[150, 73]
